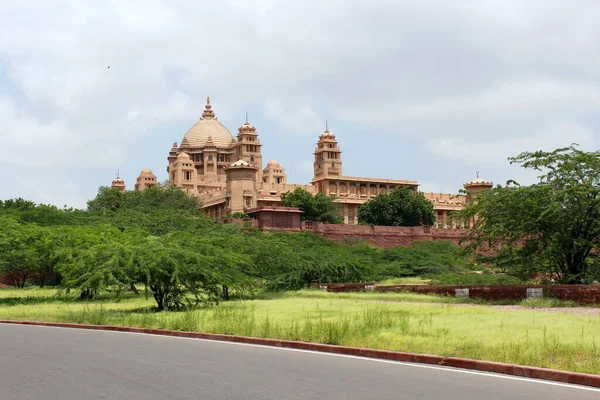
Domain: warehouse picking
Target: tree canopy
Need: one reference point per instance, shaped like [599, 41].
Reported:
[318, 208]
[401, 207]
[551, 227]
[160, 242]
[148, 200]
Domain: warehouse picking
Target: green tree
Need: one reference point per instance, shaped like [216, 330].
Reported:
[148, 200]
[552, 226]
[22, 252]
[318, 208]
[401, 207]
[95, 258]
[182, 270]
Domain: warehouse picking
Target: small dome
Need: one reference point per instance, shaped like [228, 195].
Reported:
[146, 171]
[274, 163]
[208, 127]
[183, 156]
[478, 181]
[240, 163]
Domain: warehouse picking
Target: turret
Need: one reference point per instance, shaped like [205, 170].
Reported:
[328, 157]
[477, 185]
[248, 147]
[118, 183]
[145, 180]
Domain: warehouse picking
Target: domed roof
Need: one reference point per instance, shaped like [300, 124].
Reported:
[183, 155]
[273, 162]
[478, 182]
[208, 126]
[146, 171]
[240, 163]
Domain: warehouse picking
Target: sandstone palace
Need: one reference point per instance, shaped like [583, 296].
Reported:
[227, 174]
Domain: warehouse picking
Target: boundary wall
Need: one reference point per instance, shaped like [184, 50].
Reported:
[582, 294]
[384, 236]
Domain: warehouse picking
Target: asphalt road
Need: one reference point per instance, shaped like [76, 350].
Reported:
[54, 363]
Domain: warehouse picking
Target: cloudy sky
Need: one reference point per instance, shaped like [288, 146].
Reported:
[423, 90]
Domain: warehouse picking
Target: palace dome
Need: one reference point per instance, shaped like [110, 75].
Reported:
[478, 181]
[208, 126]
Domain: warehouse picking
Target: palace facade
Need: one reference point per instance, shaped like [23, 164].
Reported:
[226, 173]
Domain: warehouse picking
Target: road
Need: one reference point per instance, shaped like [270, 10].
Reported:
[56, 363]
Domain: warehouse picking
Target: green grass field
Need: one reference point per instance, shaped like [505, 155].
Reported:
[554, 340]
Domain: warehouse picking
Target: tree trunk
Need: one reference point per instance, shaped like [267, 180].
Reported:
[225, 292]
[159, 297]
[134, 289]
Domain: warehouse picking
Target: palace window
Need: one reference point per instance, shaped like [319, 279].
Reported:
[188, 175]
[210, 157]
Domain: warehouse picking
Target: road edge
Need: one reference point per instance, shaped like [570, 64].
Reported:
[576, 378]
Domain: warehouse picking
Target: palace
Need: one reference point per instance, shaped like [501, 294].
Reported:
[227, 174]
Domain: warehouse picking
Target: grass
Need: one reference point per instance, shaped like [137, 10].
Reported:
[383, 296]
[405, 281]
[474, 279]
[553, 340]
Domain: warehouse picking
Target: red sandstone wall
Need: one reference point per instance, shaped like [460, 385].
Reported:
[386, 236]
[583, 294]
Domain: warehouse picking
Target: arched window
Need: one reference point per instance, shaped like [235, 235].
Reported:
[252, 158]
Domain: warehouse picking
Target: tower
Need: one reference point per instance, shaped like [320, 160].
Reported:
[248, 147]
[145, 180]
[274, 174]
[477, 185]
[118, 183]
[473, 188]
[328, 157]
[182, 171]
[241, 186]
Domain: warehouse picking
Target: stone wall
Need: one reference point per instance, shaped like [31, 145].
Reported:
[583, 294]
[383, 236]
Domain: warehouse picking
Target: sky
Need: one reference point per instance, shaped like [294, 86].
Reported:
[431, 91]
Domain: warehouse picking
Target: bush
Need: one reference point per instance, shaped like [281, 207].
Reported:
[422, 258]
[473, 279]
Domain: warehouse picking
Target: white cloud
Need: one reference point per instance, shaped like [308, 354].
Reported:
[499, 149]
[300, 119]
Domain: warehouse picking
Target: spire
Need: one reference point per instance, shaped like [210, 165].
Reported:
[477, 172]
[208, 112]
[326, 126]
[246, 116]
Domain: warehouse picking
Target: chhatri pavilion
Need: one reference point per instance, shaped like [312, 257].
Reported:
[227, 174]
